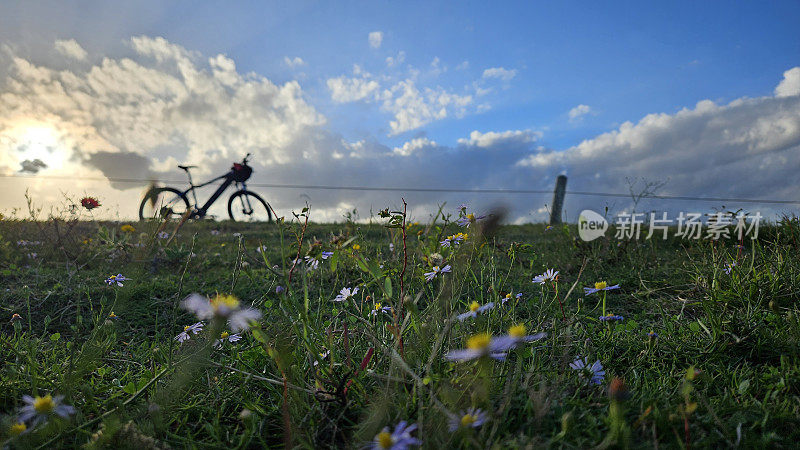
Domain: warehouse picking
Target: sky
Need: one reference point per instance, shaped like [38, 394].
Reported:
[702, 98]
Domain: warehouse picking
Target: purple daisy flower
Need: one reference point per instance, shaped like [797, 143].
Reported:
[468, 219]
[594, 372]
[116, 279]
[599, 286]
[729, 267]
[435, 270]
[399, 439]
[508, 297]
[610, 318]
[471, 418]
[480, 345]
[475, 309]
[38, 410]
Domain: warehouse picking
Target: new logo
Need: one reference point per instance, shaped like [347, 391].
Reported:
[591, 225]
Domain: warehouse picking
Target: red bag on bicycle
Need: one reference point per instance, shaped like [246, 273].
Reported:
[241, 172]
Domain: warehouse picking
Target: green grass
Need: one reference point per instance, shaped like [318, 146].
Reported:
[133, 385]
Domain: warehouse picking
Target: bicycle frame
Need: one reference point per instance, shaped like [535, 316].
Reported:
[201, 212]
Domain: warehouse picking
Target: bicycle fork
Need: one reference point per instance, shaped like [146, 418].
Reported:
[247, 208]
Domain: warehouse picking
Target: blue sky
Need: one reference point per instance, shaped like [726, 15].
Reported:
[514, 67]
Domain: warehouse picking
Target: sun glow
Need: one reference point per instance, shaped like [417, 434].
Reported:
[40, 142]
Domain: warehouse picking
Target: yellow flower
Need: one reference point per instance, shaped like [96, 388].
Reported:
[221, 307]
[356, 247]
[474, 306]
[225, 302]
[44, 405]
[127, 228]
[17, 429]
[479, 341]
[385, 439]
[468, 420]
[517, 331]
[600, 285]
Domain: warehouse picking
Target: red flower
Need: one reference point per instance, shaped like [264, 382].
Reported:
[90, 203]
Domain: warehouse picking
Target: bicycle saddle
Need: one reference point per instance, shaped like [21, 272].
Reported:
[186, 167]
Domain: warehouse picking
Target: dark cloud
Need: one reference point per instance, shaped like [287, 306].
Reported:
[121, 165]
[32, 166]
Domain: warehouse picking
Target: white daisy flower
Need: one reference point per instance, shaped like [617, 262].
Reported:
[549, 275]
[189, 329]
[227, 337]
[345, 293]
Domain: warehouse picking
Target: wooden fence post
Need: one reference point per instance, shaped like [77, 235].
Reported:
[558, 200]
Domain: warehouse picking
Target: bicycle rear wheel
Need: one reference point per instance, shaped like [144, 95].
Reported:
[247, 206]
[163, 203]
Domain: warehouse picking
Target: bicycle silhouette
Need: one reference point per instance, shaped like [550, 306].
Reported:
[243, 205]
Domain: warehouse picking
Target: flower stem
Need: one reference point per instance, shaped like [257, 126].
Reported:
[604, 303]
[561, 305]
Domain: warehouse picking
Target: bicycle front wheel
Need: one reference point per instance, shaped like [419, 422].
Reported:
[247, 206]
[163, 203]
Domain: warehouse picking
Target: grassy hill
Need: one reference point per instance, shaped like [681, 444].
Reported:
[698, 345]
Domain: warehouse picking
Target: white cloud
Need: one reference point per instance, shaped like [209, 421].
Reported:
[71, 48]
[493, 139]
[344, 89]
[464, 65]
[137, 117]
[414, 145]
[166, 104]
[140, 116]
[747, 148]
[224, 70]
[294, 62]
[790, 85]
[481, 91]
[412, 103]
[436, 67]
[375, 39]
[392, 61]
[499, 73]
[413, 108]
[576, 114]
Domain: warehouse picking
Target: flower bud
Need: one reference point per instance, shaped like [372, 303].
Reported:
[566, 422]
[435, 259]
[617, 390]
